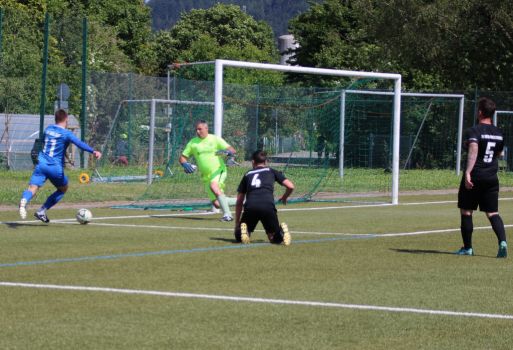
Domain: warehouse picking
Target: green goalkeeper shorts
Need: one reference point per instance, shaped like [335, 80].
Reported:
[218, 176]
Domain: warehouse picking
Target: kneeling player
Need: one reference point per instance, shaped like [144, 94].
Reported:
[257, 188]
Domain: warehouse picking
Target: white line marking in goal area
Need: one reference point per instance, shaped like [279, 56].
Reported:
[375, 235]
[63, 221]
[258, 300]
[211, 213]
[375, 205]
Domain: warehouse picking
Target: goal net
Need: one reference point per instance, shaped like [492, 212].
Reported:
[144, 138]
[334, 137]
[431, 129]
[298, 126]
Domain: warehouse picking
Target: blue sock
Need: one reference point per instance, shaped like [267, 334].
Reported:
[53, 199]
[27, 195]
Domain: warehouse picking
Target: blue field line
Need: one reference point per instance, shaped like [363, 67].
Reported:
[177, 251]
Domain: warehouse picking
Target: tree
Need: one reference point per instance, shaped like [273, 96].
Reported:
[223, 31]
[435, 45]
[276, 13]
[21, 56]
[116, 43]
[331, 35]
[131, 21]
[457, 44]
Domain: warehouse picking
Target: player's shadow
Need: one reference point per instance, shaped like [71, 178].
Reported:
[15, 225]
[232, 240]
[431, 251]
[227, 240]
[421, 251]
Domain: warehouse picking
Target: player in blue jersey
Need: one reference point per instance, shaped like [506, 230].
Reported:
[51, 165]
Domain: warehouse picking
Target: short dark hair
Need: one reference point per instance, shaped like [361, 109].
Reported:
[259, 157]
[60, 116]
[487, 107]
[201, 121]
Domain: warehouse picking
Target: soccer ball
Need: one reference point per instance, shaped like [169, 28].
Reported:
[84, 216]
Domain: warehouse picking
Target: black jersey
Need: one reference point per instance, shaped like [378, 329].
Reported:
[258, 185]
[490, 143]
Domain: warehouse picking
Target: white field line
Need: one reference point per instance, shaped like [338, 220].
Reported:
[146, 216]
[186, 228]
[375, 205]
[73, 220]
[259, 300]
[376, 235]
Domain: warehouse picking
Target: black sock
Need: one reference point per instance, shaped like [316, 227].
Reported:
[467, 226]
[498, 227]
[237, 235]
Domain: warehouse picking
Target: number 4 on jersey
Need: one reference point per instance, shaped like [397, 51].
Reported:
[256, 182]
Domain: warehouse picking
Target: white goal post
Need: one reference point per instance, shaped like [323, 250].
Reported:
[497, 113]
[218, 100]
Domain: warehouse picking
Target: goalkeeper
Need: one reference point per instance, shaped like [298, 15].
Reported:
[206, 149]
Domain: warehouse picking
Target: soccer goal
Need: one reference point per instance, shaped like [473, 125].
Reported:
[143, 139]
[497, 113]
[290, 112]
[503, 119]
[431, 128]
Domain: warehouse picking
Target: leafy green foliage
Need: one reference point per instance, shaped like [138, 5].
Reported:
[274, 12]
[118, 41]
[131, 21]
[223, 31]
[435, 45]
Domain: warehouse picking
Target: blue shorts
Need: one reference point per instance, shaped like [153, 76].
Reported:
[52, 172]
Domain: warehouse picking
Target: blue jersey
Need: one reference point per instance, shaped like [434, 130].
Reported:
[57, 140]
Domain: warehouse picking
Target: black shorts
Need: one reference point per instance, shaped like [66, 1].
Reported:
[485, 193]
[268, 216]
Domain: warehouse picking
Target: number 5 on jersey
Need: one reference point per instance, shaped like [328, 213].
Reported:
[488, 157]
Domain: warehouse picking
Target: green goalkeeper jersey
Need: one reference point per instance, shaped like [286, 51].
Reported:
[204, 151]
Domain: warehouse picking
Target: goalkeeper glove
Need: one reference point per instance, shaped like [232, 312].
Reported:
[188, 167]
[231, 161]
[225, 152]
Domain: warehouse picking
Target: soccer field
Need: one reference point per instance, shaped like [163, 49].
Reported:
[355, 277]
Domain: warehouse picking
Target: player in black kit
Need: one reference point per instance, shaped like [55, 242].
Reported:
[257, 188]
[480, 184]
